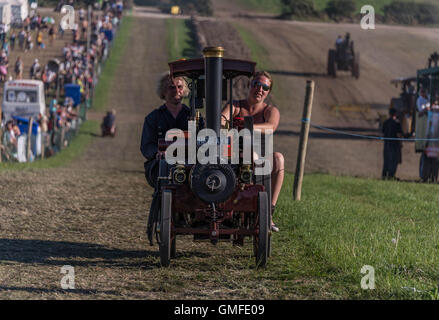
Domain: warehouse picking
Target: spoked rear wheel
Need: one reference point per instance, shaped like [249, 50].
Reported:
[165, 229]
[264, 234]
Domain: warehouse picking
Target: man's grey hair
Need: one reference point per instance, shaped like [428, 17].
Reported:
[162, 85]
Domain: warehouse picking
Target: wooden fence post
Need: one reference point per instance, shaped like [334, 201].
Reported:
[303, 142]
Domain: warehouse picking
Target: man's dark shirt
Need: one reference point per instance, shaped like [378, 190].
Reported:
[156, 124]
[390, 129]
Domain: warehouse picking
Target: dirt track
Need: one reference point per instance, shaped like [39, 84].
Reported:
[91, 214]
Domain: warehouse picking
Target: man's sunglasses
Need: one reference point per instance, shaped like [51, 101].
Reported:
[260, 84]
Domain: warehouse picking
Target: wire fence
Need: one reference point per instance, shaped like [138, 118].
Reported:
[367, 136]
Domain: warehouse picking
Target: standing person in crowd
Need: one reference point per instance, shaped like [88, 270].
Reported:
[4, 64]
[19, 68]
[265, 117]
[26, 24]
[35, 70]
[51, 34]
[21, 39]
[392, 148]
[61, 31]
[84, 27]
[81, 14]
[2, 32]
[29, 43]
[76, 35]
[10, 140]
[12, 38]
[40, 39]
[5, 46]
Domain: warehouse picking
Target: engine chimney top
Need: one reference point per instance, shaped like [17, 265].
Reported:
[213, 52]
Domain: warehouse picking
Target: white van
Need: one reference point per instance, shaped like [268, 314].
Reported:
[23, 98]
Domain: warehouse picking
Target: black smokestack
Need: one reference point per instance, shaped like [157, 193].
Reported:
[213, 68]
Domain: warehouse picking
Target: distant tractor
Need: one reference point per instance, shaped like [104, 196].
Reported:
[344, 58]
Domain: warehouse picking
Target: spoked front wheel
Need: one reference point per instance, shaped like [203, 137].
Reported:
[165, 229]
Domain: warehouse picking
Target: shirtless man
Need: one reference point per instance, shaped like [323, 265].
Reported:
[265, 117]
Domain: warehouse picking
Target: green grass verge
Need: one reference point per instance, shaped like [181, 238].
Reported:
[179, 39]
[106, 79]
[75, 149]
[344, 223]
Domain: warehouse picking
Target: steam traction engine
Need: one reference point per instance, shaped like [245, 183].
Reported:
[213, 201]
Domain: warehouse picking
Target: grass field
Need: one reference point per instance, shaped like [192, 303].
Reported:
[343, 223]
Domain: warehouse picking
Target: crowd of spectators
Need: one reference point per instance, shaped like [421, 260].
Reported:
[77, 65]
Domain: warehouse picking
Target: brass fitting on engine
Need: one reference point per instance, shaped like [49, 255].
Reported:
[245, 173]
[179, 173]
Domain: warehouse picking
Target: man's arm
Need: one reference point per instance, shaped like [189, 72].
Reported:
[148, 144]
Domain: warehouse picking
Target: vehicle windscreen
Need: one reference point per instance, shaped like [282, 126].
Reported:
[19, 95]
